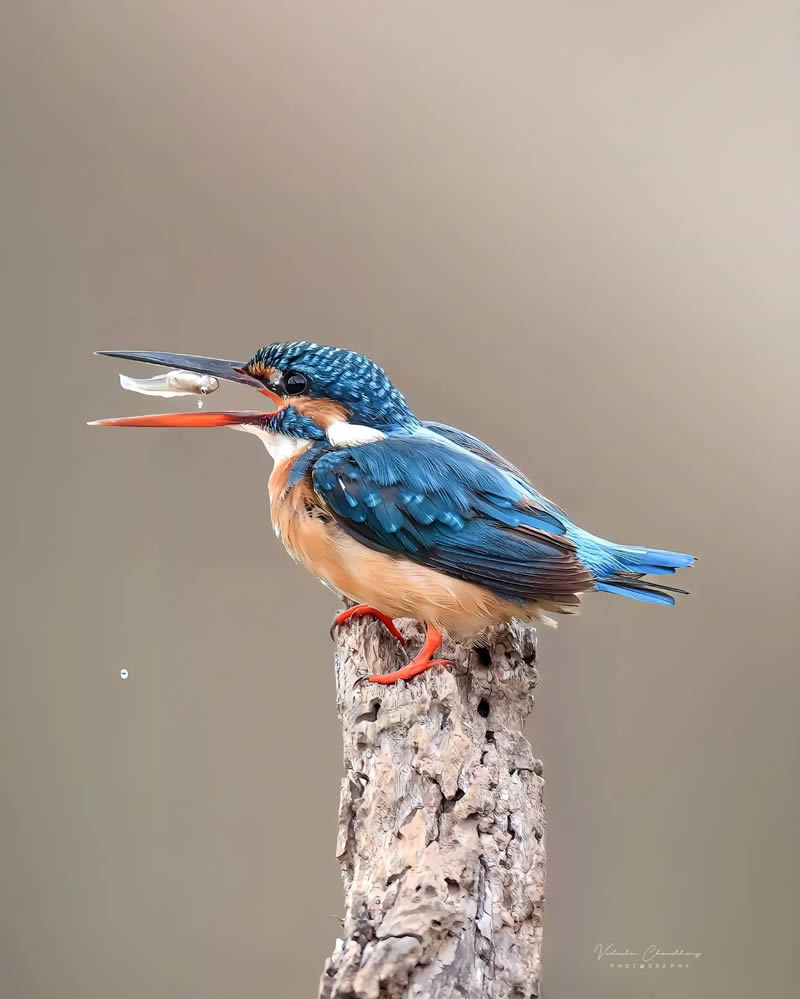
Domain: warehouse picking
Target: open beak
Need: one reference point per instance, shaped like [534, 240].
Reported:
[231, 371]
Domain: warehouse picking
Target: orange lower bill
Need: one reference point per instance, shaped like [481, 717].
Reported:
[223, 419]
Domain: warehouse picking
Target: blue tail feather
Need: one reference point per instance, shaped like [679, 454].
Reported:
[649, 596]
[619, 569]
[651, 559]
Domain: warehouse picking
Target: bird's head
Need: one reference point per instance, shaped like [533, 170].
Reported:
[312, 378]
[330, 391]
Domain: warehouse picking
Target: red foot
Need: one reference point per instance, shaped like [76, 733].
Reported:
[361, 610]
[420, 662]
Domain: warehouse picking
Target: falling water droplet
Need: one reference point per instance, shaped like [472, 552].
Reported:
[199, 403]
[123, 673]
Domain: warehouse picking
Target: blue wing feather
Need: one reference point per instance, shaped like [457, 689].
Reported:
[422, 497]
[444, 499]
[619, 565]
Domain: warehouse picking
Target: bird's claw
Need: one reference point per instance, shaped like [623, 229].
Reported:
[413, 669]
[364, 610]
[419, 664]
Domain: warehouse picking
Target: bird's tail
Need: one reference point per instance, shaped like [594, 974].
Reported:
[632, 564]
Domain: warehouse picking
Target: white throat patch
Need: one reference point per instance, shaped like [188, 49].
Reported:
[279, 446]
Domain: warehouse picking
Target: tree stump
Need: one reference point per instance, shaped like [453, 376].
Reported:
[440, 821]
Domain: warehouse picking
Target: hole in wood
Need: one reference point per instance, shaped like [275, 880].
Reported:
[372, 714]
[484, 655]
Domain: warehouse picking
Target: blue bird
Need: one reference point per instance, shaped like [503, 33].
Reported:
[406, 517]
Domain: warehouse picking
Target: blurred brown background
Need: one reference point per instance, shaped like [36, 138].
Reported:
[569, 228]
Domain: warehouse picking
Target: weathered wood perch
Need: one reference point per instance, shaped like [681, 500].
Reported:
[440, 822]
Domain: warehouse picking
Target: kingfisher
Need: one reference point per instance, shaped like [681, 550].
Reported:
[408, 517]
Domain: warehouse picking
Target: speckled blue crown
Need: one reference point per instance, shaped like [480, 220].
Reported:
[344, 375]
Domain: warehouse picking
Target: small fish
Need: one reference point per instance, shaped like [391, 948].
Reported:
[171, 384]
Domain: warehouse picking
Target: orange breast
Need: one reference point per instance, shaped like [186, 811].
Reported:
[278, 482]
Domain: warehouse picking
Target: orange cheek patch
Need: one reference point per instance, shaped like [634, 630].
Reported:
[323, 412]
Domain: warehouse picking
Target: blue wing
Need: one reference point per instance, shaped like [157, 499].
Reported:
[616, 568]
[424, 497]
[462, 439]
[474, 444]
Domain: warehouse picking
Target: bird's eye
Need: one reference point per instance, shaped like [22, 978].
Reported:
[295, 383]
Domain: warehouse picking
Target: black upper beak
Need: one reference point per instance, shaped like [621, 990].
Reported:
[231, 371]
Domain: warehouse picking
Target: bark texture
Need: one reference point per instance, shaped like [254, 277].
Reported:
[440, 822]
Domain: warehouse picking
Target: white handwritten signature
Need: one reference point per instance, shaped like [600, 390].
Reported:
[651, 953]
